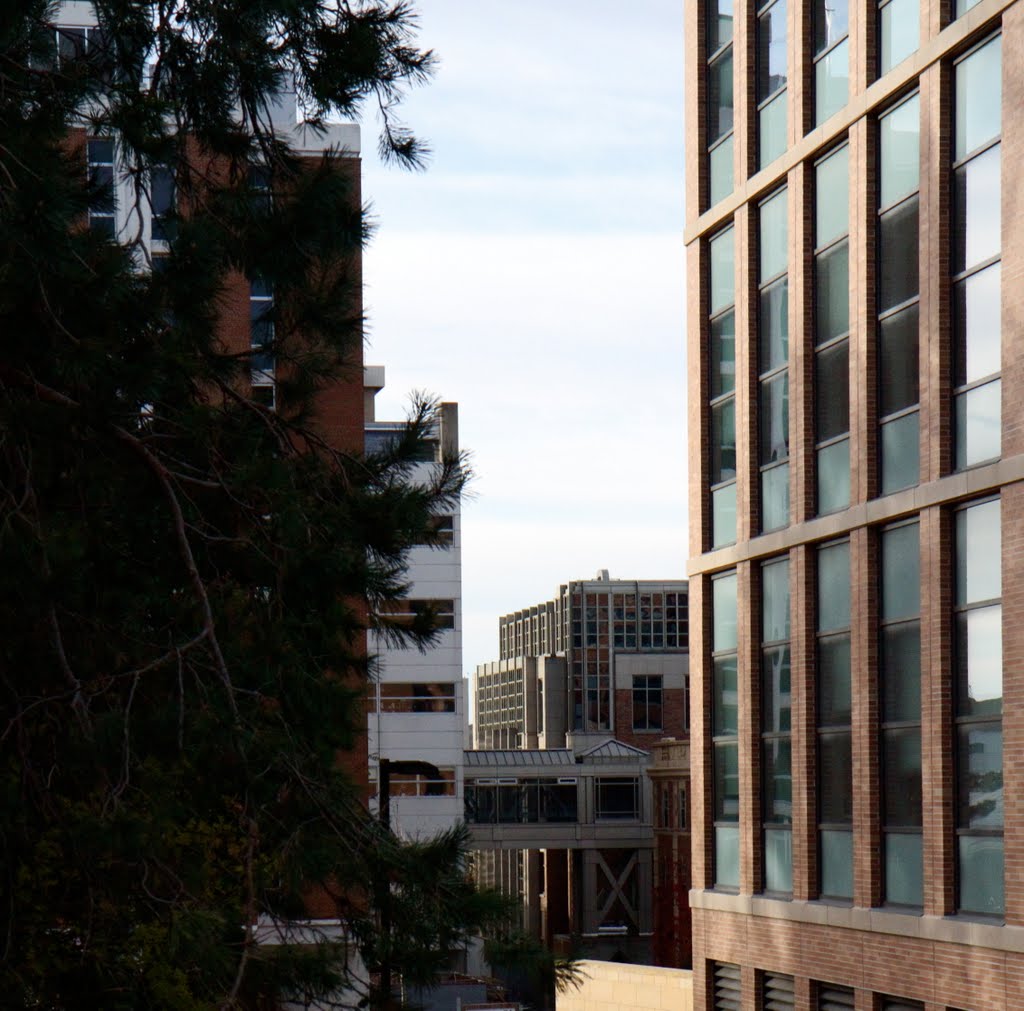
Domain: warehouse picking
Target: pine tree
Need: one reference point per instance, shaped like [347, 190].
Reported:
[187, 574]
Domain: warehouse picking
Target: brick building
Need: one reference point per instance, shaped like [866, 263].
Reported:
[855, 302]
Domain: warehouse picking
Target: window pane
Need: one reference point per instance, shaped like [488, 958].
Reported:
[976, 210]
[900, 448]
[979, 635]
[832, 197]
[723, 354]
[978, 98]
[773, 236]
[835, 779]
[722, 258]
[723, 592]
[777, 701]
[980, 775]
[775, 601]
[723, 441]
[903, 869]
[720, 97]
[774, 419]
[832, 392]
[834, 587]
[778, 781]
[775, 497]
[899, 31]
[898, 365]
[837, 864]
[976, 312]
[774, 320]
[727, 782]
[900, 667]
[901, 591]
[100, 150]
[981, 874]
[831, 83]
[725, 700]
[771, 50]
[727, 857]
[720, 171]
[899, 134]
[898, 255]
[719, 23]
[831, 23]
[979, 425]
[772, 130]
[834, 477]
[723, 515]
[834, 698]
[832, 293]
[901, 777]
[778, 860]
[979, 542]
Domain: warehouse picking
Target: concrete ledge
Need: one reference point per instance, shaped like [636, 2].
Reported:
[945, 929]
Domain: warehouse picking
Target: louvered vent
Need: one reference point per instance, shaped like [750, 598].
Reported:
[896, 1004]
[728, 990]
[834, 998]
[778, 992]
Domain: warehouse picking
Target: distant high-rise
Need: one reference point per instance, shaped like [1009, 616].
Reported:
[856, 424]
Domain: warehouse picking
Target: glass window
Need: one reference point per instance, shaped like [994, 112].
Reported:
[980, 780]
[901, 776]
[102, 199]
[162, 200]
[720, 170]
[904, 868]
[724, 607]
[774, 236]
[898, 362]
[832, 292]
[771, 50]
[899, 31]
[899, 133]
[774, 321]
[727, 857]
[978, 98]
[900, 446]
[832, 386]
[831, 82]
[834, 587]
[723, 441]
[775, 497]
[898, 255]
[725, 705]
[834, 695]
[832, 197]
[778, 859]
[976, 211]
[720, 100]
[978, 423]
[979, 540]
[837, 866]
[901, 581]
[722, 258]
[723, 515]
[772, 130]
[720, 16]
[833, 484]
[723, 354]
[835, 755]
[727, 783]
[776, 679]
[976, 312]
[831, 23]
[775, 600]
[774, 419]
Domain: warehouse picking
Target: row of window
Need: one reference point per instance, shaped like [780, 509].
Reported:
[414, 697]
[975, 735]
[898, 37]
[777, 991]
[405, 612]
[534, 800]
[974, 269]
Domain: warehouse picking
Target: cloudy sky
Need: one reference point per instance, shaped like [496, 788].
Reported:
[535, 275]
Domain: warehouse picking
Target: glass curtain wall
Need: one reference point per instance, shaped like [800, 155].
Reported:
[978, 695]
[771, 81]
[773, 361]
[898, 291]
[831, 57]
[832, 330]
[776, 727]
[725, 731]
[899, 658]
[975, 267]
[835, 752]
[720, 99]
[722, 386]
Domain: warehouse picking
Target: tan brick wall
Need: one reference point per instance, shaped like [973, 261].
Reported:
[613, 986]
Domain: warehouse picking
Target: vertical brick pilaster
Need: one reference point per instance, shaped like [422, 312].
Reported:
[1012, 508]
[1012, 232]
[801, 345]
[747, 475]
[799, 24]
[933, 257]
[937, 786]
[748, 685]
[863, 345]
[744, 91]
[694, 103]
[805, 850]
[863, 44]
[867, 870]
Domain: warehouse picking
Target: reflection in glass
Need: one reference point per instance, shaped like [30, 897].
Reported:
[775, 497]
[775, 601]
[834, 587]
[901, 777]
[832, 391]
[723, 441]
[899, 135]
[721, 253]
[978, 425]
[831, 83]
[976, 317]
[720, 182]
[723, 515]
[979, 107]
[834, 477]
[898, 365]
[976, 211]
[778, 781]
[898, 255]
[774, 326]
[900, 448]
[832, 293]
[980, 778]
[723, 592]
[836, 864]
[719, 24]
[773, 237]
[901, 590]
[772, 130]
[723, 354]
[900, 665]
[903, 869]
[834, 698]
[774, 419]
[720, 101]
[776, 681]
[727, 782]
[725, 702]
[727, 857]
[771, 50]
[832, 197]
[981, 874]
[831, 23]
[979, 661]
[978, 550]
[899, 31]
[835, 778]
[778, 860]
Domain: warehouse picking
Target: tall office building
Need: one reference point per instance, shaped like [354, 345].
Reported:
[856, 422]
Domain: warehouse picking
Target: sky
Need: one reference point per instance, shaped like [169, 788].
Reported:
[534, 273]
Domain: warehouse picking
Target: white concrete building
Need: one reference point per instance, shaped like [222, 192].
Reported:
[417, 708]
